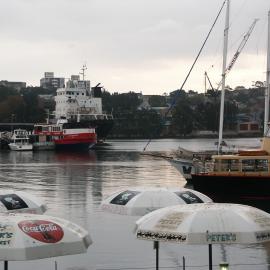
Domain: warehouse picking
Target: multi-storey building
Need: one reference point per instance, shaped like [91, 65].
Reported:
[51, 82]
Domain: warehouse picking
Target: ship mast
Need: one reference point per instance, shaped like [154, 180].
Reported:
[267, 86]
[84, 68]
[225, 49]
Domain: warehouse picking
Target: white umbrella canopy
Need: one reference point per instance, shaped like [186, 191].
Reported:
[30, 237]
[139, 201]
[20, 202]
[209, 223]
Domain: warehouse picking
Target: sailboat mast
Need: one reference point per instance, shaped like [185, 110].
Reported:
[267, 86]
[225, 50]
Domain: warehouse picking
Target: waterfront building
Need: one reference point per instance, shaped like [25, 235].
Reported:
[51, 82]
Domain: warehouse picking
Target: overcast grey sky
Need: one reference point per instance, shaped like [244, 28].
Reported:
[129, 45]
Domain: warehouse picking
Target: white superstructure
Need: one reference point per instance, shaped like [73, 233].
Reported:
[76, 101]
[20, 141]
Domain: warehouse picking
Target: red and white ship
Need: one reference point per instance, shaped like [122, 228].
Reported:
[63, 135]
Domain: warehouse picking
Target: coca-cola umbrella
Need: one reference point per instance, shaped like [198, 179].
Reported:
[210, 223]
[138, 201]
[30, 237]
[20, 202]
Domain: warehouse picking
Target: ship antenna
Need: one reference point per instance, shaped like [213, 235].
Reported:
[83, 71]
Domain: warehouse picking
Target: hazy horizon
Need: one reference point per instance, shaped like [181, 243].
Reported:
[140, 46]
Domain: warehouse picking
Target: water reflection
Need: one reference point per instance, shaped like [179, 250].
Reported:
[73, 185]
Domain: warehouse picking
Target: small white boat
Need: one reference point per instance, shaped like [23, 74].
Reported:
[20, 141]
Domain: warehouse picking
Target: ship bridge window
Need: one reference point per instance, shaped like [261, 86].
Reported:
[248, 165]
[255, 165]
[229, 165]
[261, 165]
[56, 128]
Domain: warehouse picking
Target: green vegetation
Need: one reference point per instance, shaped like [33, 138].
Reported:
[179, 114]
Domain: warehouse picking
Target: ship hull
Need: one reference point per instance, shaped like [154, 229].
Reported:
[74, 146]
[103, 127]
[20, 147]
[252, 190]
[64, 136]
[82, 141]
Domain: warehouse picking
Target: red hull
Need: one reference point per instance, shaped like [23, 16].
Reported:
[78, 137]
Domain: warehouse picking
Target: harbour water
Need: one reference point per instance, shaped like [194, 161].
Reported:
[73, 185]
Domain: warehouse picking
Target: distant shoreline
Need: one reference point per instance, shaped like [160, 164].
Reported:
[112, 137]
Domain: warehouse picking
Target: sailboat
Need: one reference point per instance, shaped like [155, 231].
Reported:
[243, 177]
[184, 162]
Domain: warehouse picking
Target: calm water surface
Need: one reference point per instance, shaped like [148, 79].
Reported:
[73, 185]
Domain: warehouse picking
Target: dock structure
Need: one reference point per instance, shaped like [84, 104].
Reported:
[12, 126]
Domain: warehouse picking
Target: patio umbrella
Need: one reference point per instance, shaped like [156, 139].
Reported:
[30, 237]
[19, 201]
[139, 201]
[209, 223]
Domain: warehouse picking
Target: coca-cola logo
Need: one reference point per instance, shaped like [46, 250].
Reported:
[42, 230]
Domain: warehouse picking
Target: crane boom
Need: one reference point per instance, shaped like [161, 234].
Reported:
[239, 50]
[206, 76]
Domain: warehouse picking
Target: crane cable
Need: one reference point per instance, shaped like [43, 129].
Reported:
[239, 50]
[191, 68]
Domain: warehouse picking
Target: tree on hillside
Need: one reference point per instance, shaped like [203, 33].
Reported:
[34, 112]
[5, 92]
[230, 113]
[106, 101]
[12, 109]
[38, 90]
[182, 117]
[206, 116]
[137, 124]
[124, 102]
[157, 101]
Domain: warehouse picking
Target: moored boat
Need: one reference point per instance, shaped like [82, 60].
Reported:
[242, 177]
[63, 135]
[20, 141]
[78, 102]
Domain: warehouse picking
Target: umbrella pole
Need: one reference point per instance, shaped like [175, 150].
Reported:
[5, 265]
[210, 256]
[156, 247]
